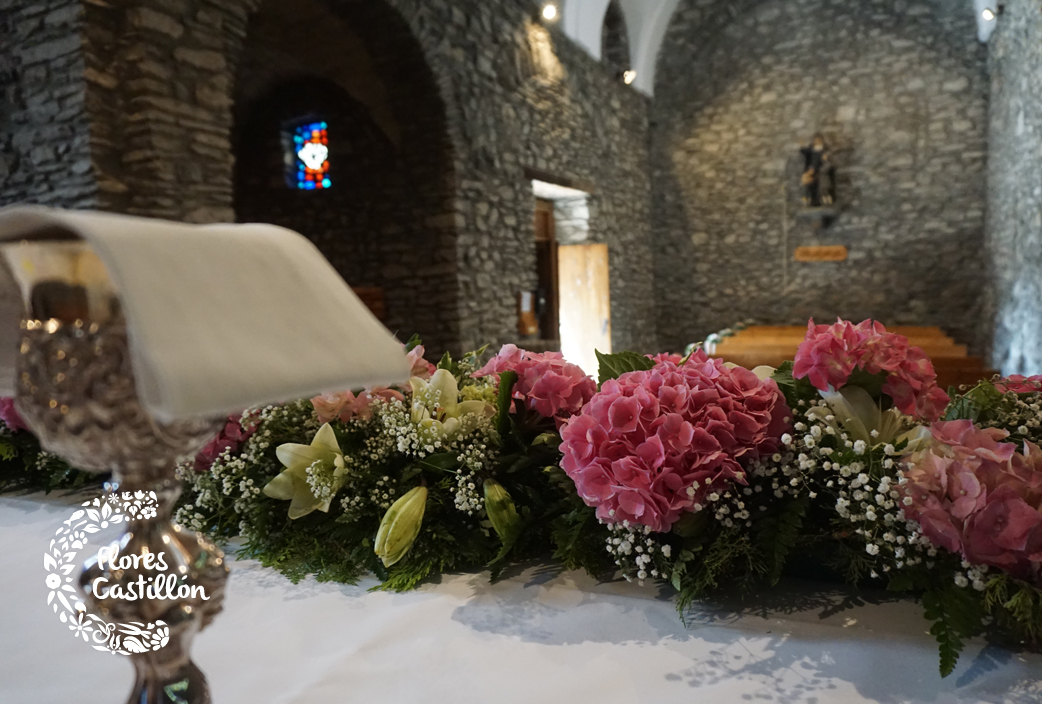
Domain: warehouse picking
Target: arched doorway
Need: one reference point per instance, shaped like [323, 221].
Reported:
[382, 214]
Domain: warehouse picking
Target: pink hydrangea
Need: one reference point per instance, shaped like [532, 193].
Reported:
[830, 354]
[231, 436]
[975, 495]
[546, 383]
[10, 416]
[1020, 384]
[652, 444]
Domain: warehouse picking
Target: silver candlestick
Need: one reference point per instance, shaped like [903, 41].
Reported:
[76, 392]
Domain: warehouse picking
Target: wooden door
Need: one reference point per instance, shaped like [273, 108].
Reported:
[546, 268]
[585, 303]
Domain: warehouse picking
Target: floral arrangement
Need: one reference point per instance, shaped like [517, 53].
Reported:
[843, 471]
[831, 354]
[444, 471]
[24, 465]
[848, 462]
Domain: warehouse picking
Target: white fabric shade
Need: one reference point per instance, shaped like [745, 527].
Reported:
[220, 317]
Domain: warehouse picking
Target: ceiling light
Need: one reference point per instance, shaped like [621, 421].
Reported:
[549, 11]
[988, 14]
[629, 76]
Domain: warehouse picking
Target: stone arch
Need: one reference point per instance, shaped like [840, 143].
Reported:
[615, 41]
[163, 93]
[387, 223]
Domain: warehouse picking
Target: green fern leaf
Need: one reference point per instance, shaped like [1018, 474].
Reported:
[778, 535]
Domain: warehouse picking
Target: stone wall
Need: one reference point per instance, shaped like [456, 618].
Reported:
[900, 91]
[383, 222]
[521, 97]
[1013, 317]
[45, 155]
[158, 94]
[509, 95]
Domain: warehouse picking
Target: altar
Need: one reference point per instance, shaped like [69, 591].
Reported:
[539, 634]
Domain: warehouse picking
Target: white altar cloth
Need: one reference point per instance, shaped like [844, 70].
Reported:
[539, 635]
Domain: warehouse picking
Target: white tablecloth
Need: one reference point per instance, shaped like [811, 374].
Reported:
[539, 635]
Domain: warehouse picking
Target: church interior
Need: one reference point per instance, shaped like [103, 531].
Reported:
[577, 174]
[521, 350]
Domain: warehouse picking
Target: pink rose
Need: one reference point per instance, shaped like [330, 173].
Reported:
[386, 393]
[328, 406]
[346, 405]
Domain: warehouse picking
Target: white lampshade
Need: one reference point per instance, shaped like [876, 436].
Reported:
[219, 317]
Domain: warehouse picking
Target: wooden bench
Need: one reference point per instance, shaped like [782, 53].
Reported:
[774, 344]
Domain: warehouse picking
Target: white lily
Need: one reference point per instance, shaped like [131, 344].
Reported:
[436, 405]
[292, 483]
[762, 372]
[858, 415]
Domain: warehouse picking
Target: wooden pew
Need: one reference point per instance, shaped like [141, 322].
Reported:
[773, 344]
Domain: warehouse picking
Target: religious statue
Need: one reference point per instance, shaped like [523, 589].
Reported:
[817, 178]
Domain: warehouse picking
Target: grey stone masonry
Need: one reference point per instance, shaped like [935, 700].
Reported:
[1013, 318]
[130, 106]
[45, 151]
[899, 89]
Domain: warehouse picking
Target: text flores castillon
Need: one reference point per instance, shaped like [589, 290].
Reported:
[162, 586]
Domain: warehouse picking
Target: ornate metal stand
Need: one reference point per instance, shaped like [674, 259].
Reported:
[76, 392]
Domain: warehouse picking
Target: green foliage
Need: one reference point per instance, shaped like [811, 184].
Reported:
[731, 555]
[413, 342]
[985, 394]
[794, 389]
[579, 540]
[956, 615]
[989, 407]
[973, 404]
[25, 467]
[462, 368]
[961, 408]
[849, 561]
[504, 401]
[447, 543]
[872, 383]
[612, 366]
[691, 525]
[778, 533]
[1016, 607]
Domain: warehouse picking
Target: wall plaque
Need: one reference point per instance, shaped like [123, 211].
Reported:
[829, 253]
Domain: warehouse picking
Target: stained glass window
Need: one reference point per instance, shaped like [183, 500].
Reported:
[310, 157]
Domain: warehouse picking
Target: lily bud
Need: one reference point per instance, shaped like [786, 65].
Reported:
[500, 509]
[400, 526]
